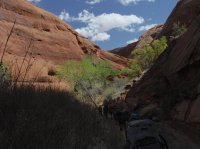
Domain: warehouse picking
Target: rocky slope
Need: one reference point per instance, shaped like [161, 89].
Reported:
[51, 40]
[147, 37]
[125, 51]
[171, 87]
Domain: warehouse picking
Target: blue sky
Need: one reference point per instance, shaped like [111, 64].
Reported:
[110, 23]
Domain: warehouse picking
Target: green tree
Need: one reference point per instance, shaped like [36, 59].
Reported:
[136, 68]
[143, 58]
[159, 47]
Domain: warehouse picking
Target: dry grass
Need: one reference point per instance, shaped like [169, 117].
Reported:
[48, 119]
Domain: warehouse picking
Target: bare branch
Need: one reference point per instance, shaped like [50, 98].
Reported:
[4, 50]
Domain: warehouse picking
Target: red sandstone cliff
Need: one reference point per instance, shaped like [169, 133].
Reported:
[53, 40]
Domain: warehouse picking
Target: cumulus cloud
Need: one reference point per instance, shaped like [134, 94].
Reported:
[92, 2]
[97, 27]
[64, 16]
[34, 1]
[146, 27]
[131, 41]
[128, 2]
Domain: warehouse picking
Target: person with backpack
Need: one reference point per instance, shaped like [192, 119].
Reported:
[133, 116]
[122, 118]
[100, 110]
[105, 108]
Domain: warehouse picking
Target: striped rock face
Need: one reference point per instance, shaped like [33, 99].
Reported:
[175, 77]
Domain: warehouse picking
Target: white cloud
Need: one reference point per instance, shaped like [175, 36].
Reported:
[64, 16]
[97, 27]
[128, 2]
[146, 27]
[92, 2]
[84, 16]
[100, 37]
[131, 41]
[34, 1]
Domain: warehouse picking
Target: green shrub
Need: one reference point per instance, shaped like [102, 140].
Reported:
[114, 88]
[4, 74]
[89, 76]
[88, 69]
[127, 72]
[178, 29]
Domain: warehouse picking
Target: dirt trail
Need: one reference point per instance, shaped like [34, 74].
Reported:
[180, 136]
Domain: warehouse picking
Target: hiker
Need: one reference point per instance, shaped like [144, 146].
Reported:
[115, 108]
[143, 134]
[105, 108]
[112, 108]
[122, 117]
[100, 110]
[110, 111]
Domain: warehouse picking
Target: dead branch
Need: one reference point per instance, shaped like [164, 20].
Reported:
[9, 35]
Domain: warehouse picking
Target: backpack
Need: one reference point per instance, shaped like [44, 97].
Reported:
[142, 134]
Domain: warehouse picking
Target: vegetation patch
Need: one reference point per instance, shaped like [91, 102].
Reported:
[178, 30]
[46, 118]
[91, 78]
[4, 74]
[145, 57]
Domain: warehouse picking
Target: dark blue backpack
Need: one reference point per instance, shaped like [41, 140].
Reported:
[143, 134]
